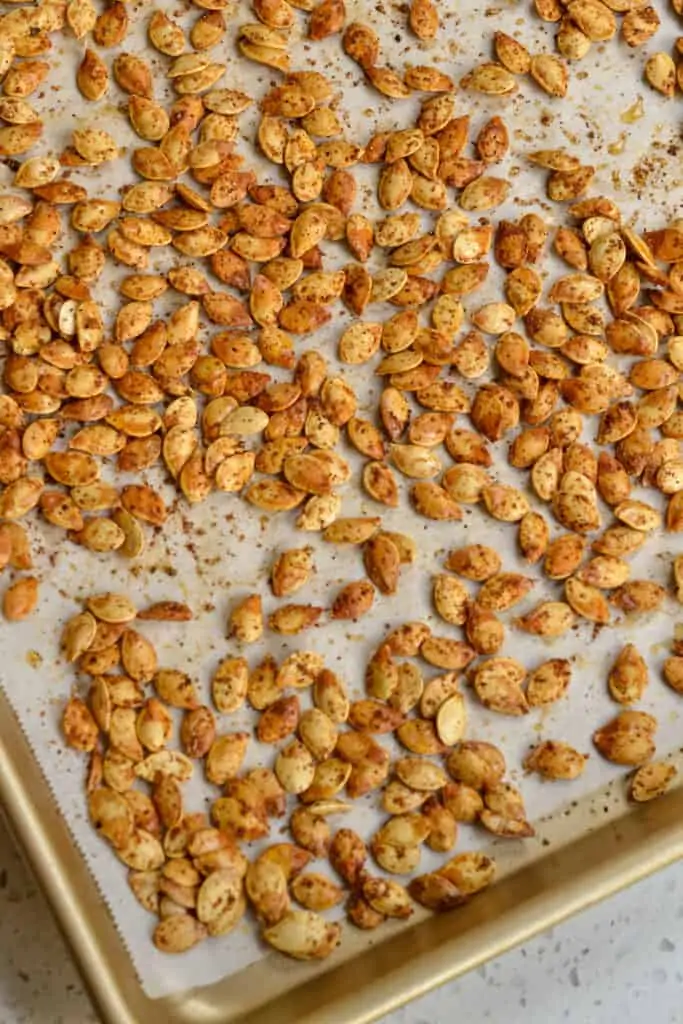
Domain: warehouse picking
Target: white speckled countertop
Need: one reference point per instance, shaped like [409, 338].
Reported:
[603, 965]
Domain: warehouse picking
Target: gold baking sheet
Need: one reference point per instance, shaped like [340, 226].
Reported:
[584, 854]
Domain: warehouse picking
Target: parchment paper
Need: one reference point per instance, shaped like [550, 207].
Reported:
[215, 553]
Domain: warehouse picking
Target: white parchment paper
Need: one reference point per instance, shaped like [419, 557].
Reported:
[214, 554]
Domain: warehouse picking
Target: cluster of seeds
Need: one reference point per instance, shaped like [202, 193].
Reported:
[584, 22]
[581, 23]
[189, 868]
[198, 378]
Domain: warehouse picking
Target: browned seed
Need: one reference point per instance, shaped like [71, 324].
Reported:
[548, 682]
[651, 780]
[628, 676]
[555, 760]
[354, 600]
[20, 599]
[628, 739]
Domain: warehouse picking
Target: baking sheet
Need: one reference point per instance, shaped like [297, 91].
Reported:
[213, 554]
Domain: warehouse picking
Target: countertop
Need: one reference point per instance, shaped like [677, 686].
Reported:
[618, 962]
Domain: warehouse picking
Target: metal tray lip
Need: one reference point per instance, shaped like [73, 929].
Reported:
[100, 953]
[26, 816]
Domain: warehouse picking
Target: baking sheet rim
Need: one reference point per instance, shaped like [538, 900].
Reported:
[88, 929]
